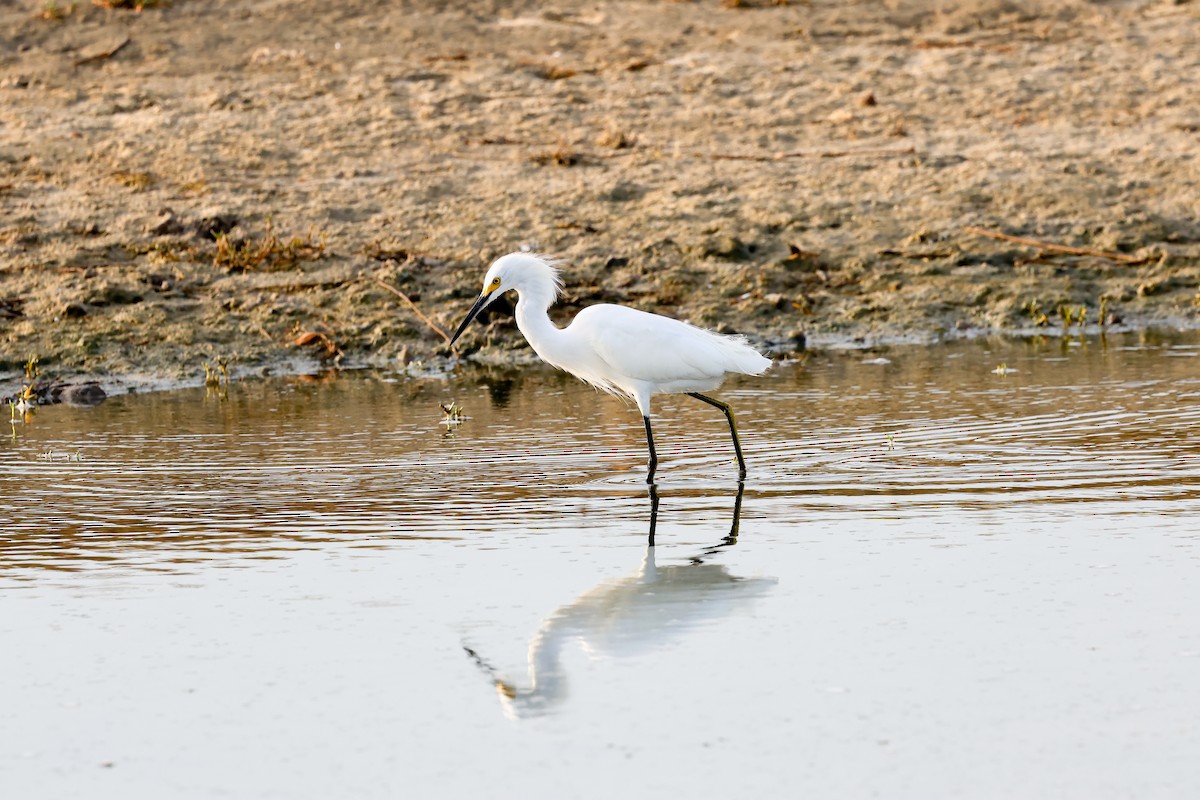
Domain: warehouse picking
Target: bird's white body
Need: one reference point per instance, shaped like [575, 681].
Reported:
[618, 349]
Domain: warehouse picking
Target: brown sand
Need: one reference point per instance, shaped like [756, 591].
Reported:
[809, 169]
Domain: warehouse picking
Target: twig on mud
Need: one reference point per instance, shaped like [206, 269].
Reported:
[109, 53]
[1124, 258]
[894, 151]
[901, 151]
[918, 254]
[416, 310]
[505, 140]
[942, 44]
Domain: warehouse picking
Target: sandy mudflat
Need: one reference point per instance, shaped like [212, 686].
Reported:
[810, 170]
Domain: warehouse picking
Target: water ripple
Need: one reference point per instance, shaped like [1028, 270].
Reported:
[163, 481]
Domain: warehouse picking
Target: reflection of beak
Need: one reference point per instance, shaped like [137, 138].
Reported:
[480, 305]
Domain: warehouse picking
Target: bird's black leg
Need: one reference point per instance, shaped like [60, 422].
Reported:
[737, 445]
[653, 455]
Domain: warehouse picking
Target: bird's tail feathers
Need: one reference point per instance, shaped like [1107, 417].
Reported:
[740, 356]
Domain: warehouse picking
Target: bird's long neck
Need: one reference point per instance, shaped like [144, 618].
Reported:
[534, 323]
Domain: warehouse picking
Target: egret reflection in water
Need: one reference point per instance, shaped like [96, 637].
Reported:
[629, 616]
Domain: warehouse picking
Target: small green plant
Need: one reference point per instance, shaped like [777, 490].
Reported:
[216, 378]
[1072, 316]
[216, 373]
[1103, 311]
[453, 415]
[1036, 315]
[31, 368]
[26, 398]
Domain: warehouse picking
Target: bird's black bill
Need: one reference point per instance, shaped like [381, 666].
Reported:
[480, 304]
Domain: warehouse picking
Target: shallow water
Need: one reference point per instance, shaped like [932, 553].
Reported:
[942, 581]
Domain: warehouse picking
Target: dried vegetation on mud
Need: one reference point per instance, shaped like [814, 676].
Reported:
[236, 178]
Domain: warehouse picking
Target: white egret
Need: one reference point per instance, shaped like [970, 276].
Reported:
[620, 350]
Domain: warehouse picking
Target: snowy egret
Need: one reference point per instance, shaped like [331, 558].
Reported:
[620, 350]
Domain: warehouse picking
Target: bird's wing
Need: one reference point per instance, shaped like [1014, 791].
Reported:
[650, 347]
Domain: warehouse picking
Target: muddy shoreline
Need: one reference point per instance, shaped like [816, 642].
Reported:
[233, 179]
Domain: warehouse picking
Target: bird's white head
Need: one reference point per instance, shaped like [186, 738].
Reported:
[534, 277]
[527, 272]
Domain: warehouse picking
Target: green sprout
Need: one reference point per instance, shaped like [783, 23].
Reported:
[216, 377]
[453, 412]
[453, 416]
[1034, 309]
[26, 398]
[216, 373]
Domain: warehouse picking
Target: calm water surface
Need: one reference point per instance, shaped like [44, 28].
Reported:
[939, 581]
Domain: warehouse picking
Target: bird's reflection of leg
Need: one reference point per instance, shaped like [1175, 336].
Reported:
[653, 512]
[737, 515]
[730, 538]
